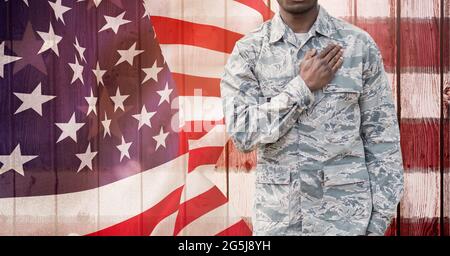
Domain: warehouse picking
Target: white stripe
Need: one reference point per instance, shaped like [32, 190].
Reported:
[420, 95]
[74, 207]
[166, 227]
[420, 9]
[338, 8]
[376, 9]
[215, 175]
[198, 108]
[422, 195]
[226, 14]
[196, 184]
[212, 222]
[216, 137]
[193, 60]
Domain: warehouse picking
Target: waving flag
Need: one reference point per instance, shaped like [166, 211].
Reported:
[98, 101]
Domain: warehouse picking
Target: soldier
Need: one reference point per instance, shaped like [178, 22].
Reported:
[310, 93]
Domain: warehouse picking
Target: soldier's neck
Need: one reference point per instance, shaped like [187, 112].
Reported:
[300, 23]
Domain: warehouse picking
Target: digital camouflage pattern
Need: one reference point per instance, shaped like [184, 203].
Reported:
[329, 161]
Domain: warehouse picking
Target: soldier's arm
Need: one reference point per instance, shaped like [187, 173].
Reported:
[251, 119]
[381, 137]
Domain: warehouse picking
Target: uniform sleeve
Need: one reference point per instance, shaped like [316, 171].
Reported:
[381, 137]
[250, 118]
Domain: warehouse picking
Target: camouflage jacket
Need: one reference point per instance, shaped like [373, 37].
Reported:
[329, 162]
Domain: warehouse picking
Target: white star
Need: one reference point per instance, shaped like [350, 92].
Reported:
[86, 158]
[106, 124]
[25, 1]
[114, 22]
[165, 94]
[33, 100]
[147, 8]
[144, 117]
[77, 71]
[99, 74]
[124, 149]
[5, 59]
[128, 55]
[161, 138]
[92, 102]
[59, 10]
[79, 49]
[118, 100]
[96, 2]
[14, 161]
[51, 40]
[69, 129]
[152, 73]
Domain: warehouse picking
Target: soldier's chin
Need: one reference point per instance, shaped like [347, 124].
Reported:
[298, 8]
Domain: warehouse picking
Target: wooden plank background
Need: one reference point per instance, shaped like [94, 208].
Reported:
[413, 36]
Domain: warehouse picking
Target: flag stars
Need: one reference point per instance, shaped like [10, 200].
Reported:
[5, 59]
[77, 71]
[80, 50]
[106, 126]
[33, 100]
[151, 73]
[118, 100]
[124, 149]
[165, 94]
[128, 55]
[99, 74]
[114, 22]
[69, 129]
[14, 161]
[86, 158]
[161, 138]
[92, 103]
[59, 10]
[144, 117]
[51, 40]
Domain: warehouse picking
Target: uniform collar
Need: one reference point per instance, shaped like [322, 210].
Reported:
[323, 25]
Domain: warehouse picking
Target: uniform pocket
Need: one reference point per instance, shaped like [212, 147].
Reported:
[346, 194]
[272, 193]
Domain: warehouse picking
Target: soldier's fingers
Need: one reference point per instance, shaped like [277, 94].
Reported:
[336, 50]
[311, 53]
[335, 59]
[338, 65]
[327, 50]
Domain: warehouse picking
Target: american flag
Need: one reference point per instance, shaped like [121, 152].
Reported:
[93, 94]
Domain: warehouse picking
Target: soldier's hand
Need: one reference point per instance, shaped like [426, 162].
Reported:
[318, 69]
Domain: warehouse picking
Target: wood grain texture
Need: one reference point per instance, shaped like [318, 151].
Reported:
[422, 197]
[445, 41]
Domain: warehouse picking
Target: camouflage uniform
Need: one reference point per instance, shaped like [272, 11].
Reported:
[329, 161]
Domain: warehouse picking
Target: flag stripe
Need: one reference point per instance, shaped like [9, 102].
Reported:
[198, 206]
[191, 85]
[238, 17]
[200, 35]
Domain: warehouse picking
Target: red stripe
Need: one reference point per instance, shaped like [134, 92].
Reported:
[239, 229]
[144, 223]
[203, 156]
[417, 54]
[420, 141]
[198, 206]
[259, 6]
[174, 31]
[188, 85]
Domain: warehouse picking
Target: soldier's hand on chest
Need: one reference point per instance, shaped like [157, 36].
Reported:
[318, 69]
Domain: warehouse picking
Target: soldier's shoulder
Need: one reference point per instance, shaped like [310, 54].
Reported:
[345, 29]
[251, 43]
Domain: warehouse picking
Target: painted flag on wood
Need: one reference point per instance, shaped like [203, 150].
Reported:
[93, 95]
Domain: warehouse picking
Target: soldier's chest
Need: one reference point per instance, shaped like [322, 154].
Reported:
[279, 63]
